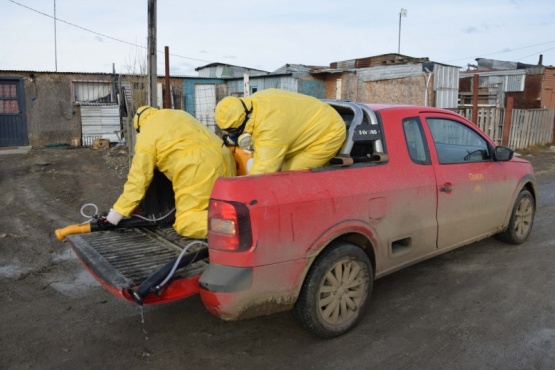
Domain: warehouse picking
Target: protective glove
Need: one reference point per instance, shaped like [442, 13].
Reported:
[114, 217]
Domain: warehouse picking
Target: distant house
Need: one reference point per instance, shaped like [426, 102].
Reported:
[387, 78]
[222, 70]
[392, 78]
[50, 107]
[531, 86]
[40, 108]
[512, 102]
[291, 77]
[218, 80]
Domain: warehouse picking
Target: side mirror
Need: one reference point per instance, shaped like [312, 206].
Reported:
[502, 153]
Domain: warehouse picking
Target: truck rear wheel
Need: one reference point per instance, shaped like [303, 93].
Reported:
[336, 291]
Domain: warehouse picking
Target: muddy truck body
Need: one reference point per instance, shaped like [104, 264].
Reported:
[409, 183]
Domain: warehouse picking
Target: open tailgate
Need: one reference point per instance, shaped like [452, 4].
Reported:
[122, 259]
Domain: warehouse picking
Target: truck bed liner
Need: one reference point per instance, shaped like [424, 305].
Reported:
[124, 258]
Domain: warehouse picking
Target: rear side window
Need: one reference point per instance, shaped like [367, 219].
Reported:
[414, 138]
[456, 143]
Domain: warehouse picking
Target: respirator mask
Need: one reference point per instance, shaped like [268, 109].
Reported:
[232, 135]
[245, 141]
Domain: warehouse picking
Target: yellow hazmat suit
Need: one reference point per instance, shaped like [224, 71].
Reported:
[290, 131]
[188, 153]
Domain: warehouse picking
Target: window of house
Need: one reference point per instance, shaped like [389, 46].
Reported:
[92, 92]
[8, 99]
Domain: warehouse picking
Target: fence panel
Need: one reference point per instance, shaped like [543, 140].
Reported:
[490, 120]
[531, 127]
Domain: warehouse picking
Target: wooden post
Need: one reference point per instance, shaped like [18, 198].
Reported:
[246, 85]
[475, 87]
[507, 122]
[152, 73]
[167, 100]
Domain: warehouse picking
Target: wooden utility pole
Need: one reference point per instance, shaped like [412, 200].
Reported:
[152, 73]
[508, 120]
[55, 42]
[167, 100]
[475, 88]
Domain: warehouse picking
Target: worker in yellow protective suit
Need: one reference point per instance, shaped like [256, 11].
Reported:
[290, 131]
[190, 155]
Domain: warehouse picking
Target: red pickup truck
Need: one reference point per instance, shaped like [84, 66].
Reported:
[409, 183]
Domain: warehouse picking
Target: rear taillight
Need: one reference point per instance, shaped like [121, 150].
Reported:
[229, 226]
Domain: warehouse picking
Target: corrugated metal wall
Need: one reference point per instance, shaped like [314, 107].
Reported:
[100, 122]
[514, 83]
[446, 86]
[497, 83]
[315, 88]
[263, 83]
[390, 72]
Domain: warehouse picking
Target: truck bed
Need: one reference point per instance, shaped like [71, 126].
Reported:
[122, 259]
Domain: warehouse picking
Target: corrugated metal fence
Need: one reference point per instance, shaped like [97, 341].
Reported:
[100, 121]
[528, 126]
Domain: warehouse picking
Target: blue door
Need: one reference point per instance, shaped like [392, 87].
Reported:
[13, 125]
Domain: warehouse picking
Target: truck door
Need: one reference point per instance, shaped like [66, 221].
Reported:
[464, 170]
[410, 227]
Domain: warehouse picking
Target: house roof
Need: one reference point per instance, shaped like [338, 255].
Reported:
[14, 71]
[493, 64]
[377, 60]
[55, 72]
[293, 68]
[216, 64]
[382, 60]
[493, 67]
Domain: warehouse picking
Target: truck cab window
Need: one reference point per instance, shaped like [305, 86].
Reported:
[414, 138]
[457, 143]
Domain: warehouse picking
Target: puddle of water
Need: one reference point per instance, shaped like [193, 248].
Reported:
[11, 271]
[63, 256]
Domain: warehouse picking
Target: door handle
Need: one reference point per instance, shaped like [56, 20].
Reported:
[446, 188]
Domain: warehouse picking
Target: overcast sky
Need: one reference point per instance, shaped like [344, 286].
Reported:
[91, 36]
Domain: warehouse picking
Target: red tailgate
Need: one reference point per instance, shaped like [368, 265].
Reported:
[121, 260]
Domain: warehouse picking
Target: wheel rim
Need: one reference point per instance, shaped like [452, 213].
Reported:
[342, 292]
[523, 217]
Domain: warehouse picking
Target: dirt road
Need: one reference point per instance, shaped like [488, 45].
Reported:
[487, 305]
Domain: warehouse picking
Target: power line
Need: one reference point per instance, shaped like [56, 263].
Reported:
[101, 34]
[540, 52]
[507, 51]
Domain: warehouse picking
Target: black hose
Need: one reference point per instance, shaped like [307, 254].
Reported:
[102, 224]
[150, 284]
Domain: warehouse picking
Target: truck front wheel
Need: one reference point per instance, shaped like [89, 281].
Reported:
[522, 219]
[336, 291]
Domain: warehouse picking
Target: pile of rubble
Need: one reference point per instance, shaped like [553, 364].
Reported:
[117, 159]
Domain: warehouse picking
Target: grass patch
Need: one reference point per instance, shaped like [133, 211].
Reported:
[533, 150]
